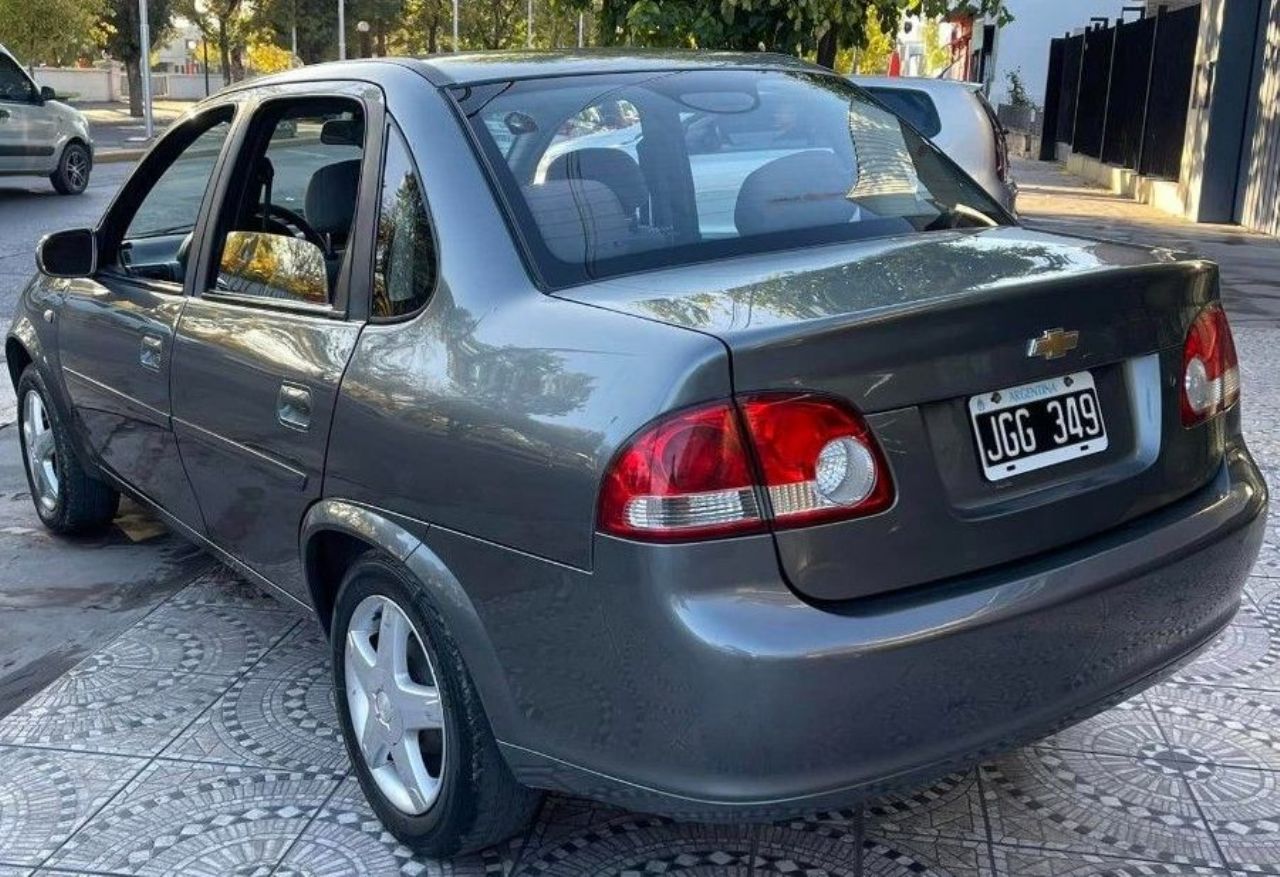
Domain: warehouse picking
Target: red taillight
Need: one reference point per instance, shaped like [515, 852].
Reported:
[817, 458]
[1210, 369]
[684, 477]
[690, 476]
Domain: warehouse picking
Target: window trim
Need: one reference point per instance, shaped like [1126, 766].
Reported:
[392, 130]
[111, 228]
[347, 302]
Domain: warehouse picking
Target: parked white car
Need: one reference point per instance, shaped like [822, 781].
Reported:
[956, 116]
[39, 135]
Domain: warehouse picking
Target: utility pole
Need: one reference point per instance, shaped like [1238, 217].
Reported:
[455, 25]
[529, 26]
[342, 30]
[144, 62]
[581, 22]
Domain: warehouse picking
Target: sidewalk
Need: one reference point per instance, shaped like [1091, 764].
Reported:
[117, 136]
[1051, 199]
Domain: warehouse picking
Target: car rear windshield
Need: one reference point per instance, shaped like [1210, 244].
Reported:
[611, 174]
[911, 104]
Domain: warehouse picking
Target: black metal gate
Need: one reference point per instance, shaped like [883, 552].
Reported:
[1173, 65]
[1130, 79]
[1121, 92]
[1095, 79]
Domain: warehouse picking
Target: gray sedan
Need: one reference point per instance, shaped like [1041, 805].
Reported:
[749, 468]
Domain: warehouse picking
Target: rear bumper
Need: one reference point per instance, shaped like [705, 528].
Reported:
[714, 692]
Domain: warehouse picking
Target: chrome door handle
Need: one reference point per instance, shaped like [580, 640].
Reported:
[293, 407]
[149, 357]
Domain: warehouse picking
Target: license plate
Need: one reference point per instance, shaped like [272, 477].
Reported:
[1025, 428]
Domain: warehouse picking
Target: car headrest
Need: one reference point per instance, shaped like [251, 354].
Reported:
[580, 220]
[342, 132]
[612, 167]
[801, 190]
[331, 197]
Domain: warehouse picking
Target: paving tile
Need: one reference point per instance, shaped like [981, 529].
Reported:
[639, 846]
[950, 807]
[304, 649]
[1265, 594]
[893, 855]
[786, 850]
[1242, 809]
[1219, 726]
[199, 820]
[1095, 803]
[1125, 729]
[269, 722]
[562, 817]
[346, 838]
[1018, 862]
[1246, 655]
[224, 640]
[46, 795]
[224, 587]
[99, 707]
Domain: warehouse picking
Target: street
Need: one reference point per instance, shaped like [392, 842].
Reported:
[158, 715]
[30, 209]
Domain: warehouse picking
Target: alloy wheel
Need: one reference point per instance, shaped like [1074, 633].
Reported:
[77, 169]
[393, 697]
[41, 450]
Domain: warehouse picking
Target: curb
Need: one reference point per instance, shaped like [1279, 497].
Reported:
[107, 156]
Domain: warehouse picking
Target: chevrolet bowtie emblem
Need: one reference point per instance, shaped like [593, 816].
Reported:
[1053, 344]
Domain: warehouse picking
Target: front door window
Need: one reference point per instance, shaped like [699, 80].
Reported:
[158, 233]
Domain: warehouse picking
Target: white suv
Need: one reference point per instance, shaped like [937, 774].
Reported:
[39, 136]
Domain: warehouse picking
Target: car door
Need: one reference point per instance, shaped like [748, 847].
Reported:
[261, 347]
[115, 330]
[28, 130]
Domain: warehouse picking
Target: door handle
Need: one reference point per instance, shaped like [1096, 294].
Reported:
[151, 353]
[293, 407]
[4, 114]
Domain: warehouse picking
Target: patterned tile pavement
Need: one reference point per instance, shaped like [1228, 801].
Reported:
[203, 741]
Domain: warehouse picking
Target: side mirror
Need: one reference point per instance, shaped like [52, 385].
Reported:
[47, 94]
[273, 266]
[72, 253]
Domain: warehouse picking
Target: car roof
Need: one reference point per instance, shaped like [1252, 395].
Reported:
[932, 86]
[475, 67]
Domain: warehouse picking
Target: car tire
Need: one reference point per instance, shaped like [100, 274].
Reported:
[67, 498]
[74, 166]
[475, 801]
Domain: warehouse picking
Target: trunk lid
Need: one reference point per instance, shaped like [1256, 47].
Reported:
[908, 330]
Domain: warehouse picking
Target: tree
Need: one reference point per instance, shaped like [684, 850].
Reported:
[937, 54]
[118, 34]
[229, 28]
[316, 21]
[55, 32]
[1018, 96]
[806, 27]
[873, 57]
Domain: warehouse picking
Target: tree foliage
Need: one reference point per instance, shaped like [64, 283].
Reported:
[119, 33]
[55, 32]
[805, 27]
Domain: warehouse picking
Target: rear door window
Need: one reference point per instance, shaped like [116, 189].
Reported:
[913, 105]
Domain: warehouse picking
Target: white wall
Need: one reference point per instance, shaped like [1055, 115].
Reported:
[90, 84]
[1024, 42]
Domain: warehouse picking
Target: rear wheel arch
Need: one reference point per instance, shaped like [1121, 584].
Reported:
[17, 358]
[336, 533]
